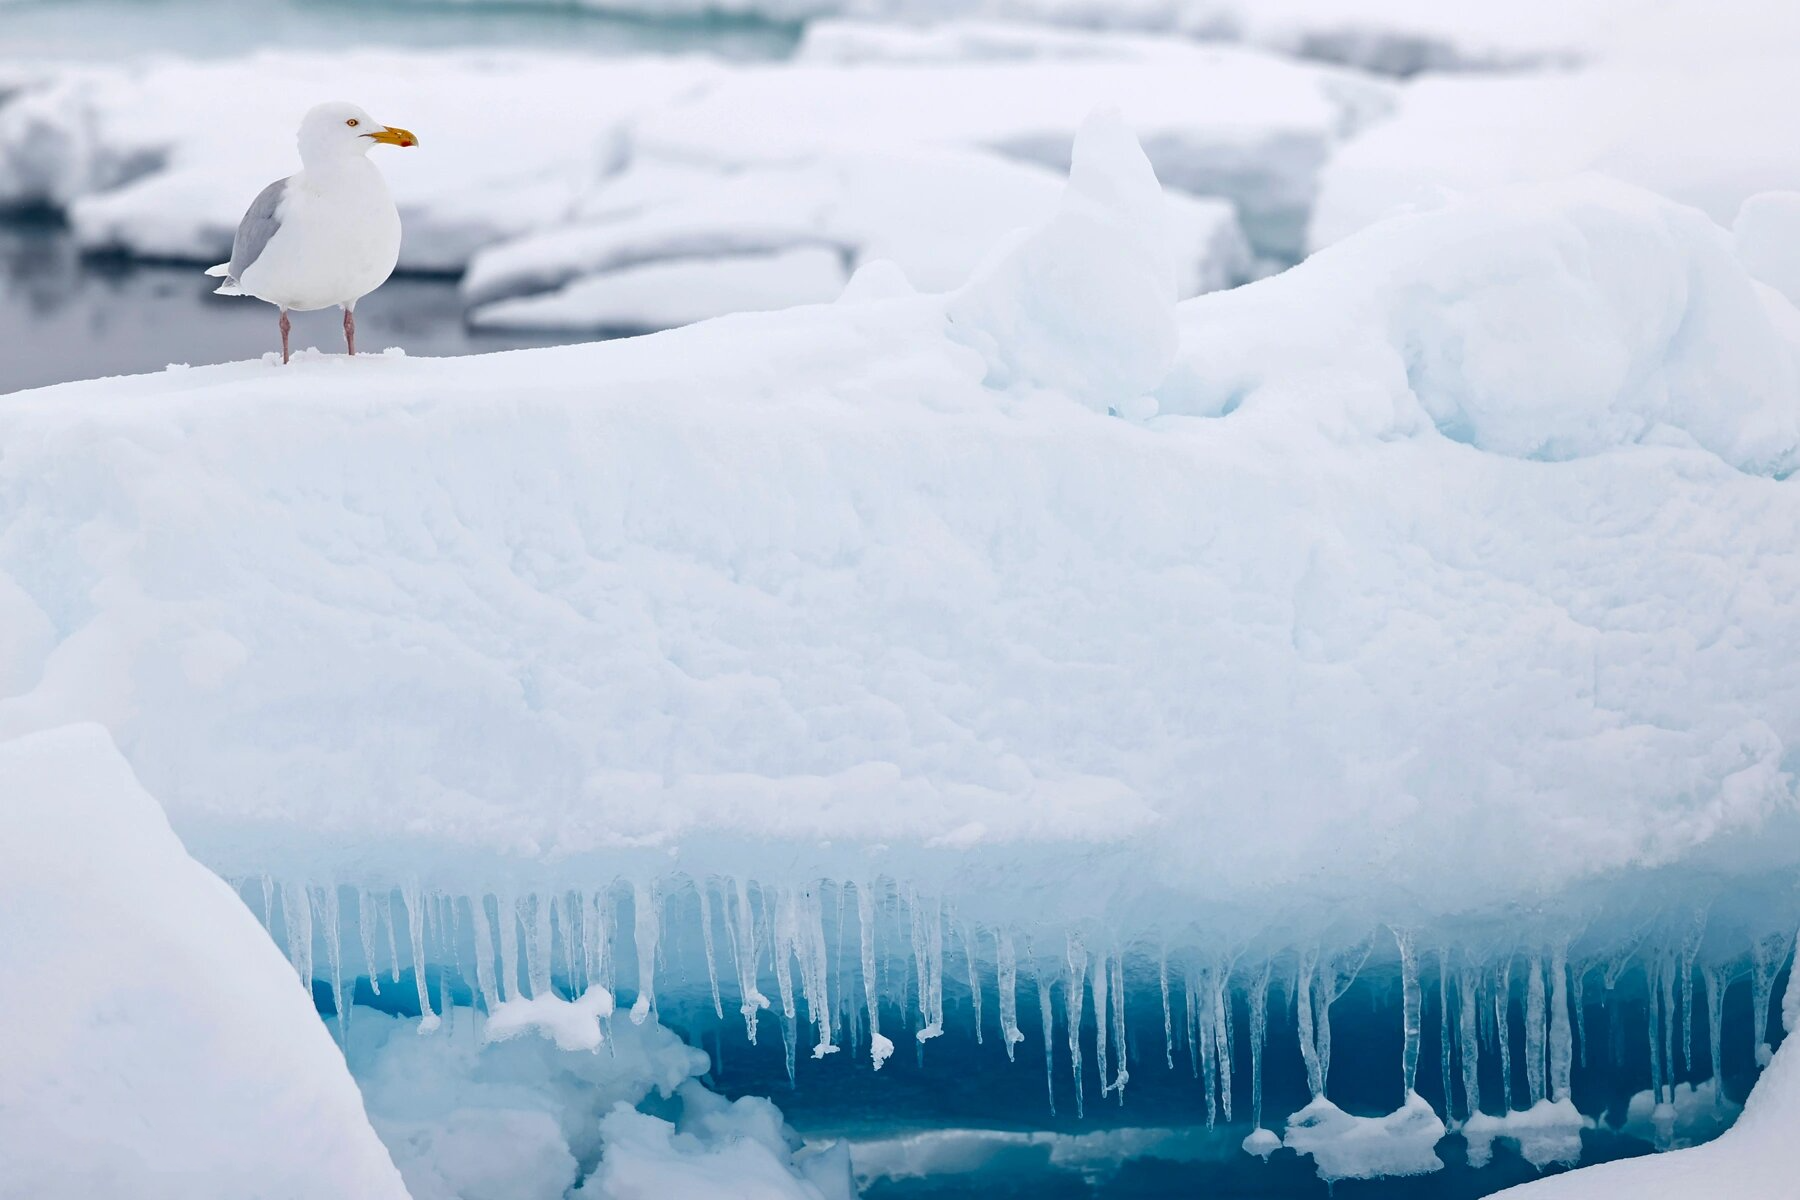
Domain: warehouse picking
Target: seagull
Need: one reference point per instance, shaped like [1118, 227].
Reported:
[327, 235]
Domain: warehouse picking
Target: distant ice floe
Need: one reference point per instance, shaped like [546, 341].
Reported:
[1399, 37]
[676, 165]
[1692, 107]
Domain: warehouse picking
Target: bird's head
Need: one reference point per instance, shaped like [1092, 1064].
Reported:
[339, 130]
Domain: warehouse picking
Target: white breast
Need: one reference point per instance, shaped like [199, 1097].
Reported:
[338, 241]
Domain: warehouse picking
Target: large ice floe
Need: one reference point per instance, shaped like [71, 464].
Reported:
[1126, 679]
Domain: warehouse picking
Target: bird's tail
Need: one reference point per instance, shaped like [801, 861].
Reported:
[229, 287]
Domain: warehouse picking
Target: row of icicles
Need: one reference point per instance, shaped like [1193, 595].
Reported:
[516, 945]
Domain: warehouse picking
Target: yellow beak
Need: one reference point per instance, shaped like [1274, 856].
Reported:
[389, 135]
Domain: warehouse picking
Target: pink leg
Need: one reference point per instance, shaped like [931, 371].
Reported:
[350, 331]
[284, 337]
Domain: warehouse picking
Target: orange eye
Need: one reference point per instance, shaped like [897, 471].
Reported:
[351, 122]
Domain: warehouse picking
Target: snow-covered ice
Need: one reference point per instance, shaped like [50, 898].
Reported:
[156, 1044]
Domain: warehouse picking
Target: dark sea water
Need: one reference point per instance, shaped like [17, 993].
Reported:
[64, 315]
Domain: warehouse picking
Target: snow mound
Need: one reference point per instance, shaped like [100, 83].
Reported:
[1547, 323]
[157, 1045]
[1085, 304]
[1343, 1146]
[1548, 1132]
[571, 1024]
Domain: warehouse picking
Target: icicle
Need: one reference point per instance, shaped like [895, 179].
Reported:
[484, 953]
[815, 970]
[646, 925]
[506, 912]
[1102, 980]
[1443, 957]
[415, 927]
[331, 916]
[1118, 1016]
[1303, 1008]
[1562, 1051]
[1534, 1031]
[1162, 976]
[1715, 1027]
[1687, 1010]
[386, 912]
[452, 925]
[1204, 1023]
[1668, 1007]
[1008, 970]
[534, 915]
[598, 926]
[1790, 997]
[1259, 1036]
[1653, 1004]
[1468, 1010]
[1765, 964]
[1073, 1001]
[1580, 974]
[783, 926]
[968, 936]
[1190, 1021]
[1411, 1004]
[744, 951]
[365, 932]
[928, 954]
[296, 910]
[1048, 1016]
[706, 940]
[568, 912]
[1221, 1009]
[1503, 1029]
[879, 1047]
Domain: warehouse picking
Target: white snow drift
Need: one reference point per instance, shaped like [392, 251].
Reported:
[156, 1044]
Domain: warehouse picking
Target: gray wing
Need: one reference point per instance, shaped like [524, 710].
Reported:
[255, 230]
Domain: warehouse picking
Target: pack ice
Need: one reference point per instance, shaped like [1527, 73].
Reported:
[1044, 658]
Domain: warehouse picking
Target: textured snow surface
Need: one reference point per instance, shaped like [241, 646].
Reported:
[156, 1044]
[1457, 568]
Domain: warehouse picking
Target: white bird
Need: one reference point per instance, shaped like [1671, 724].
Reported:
[326, 235]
